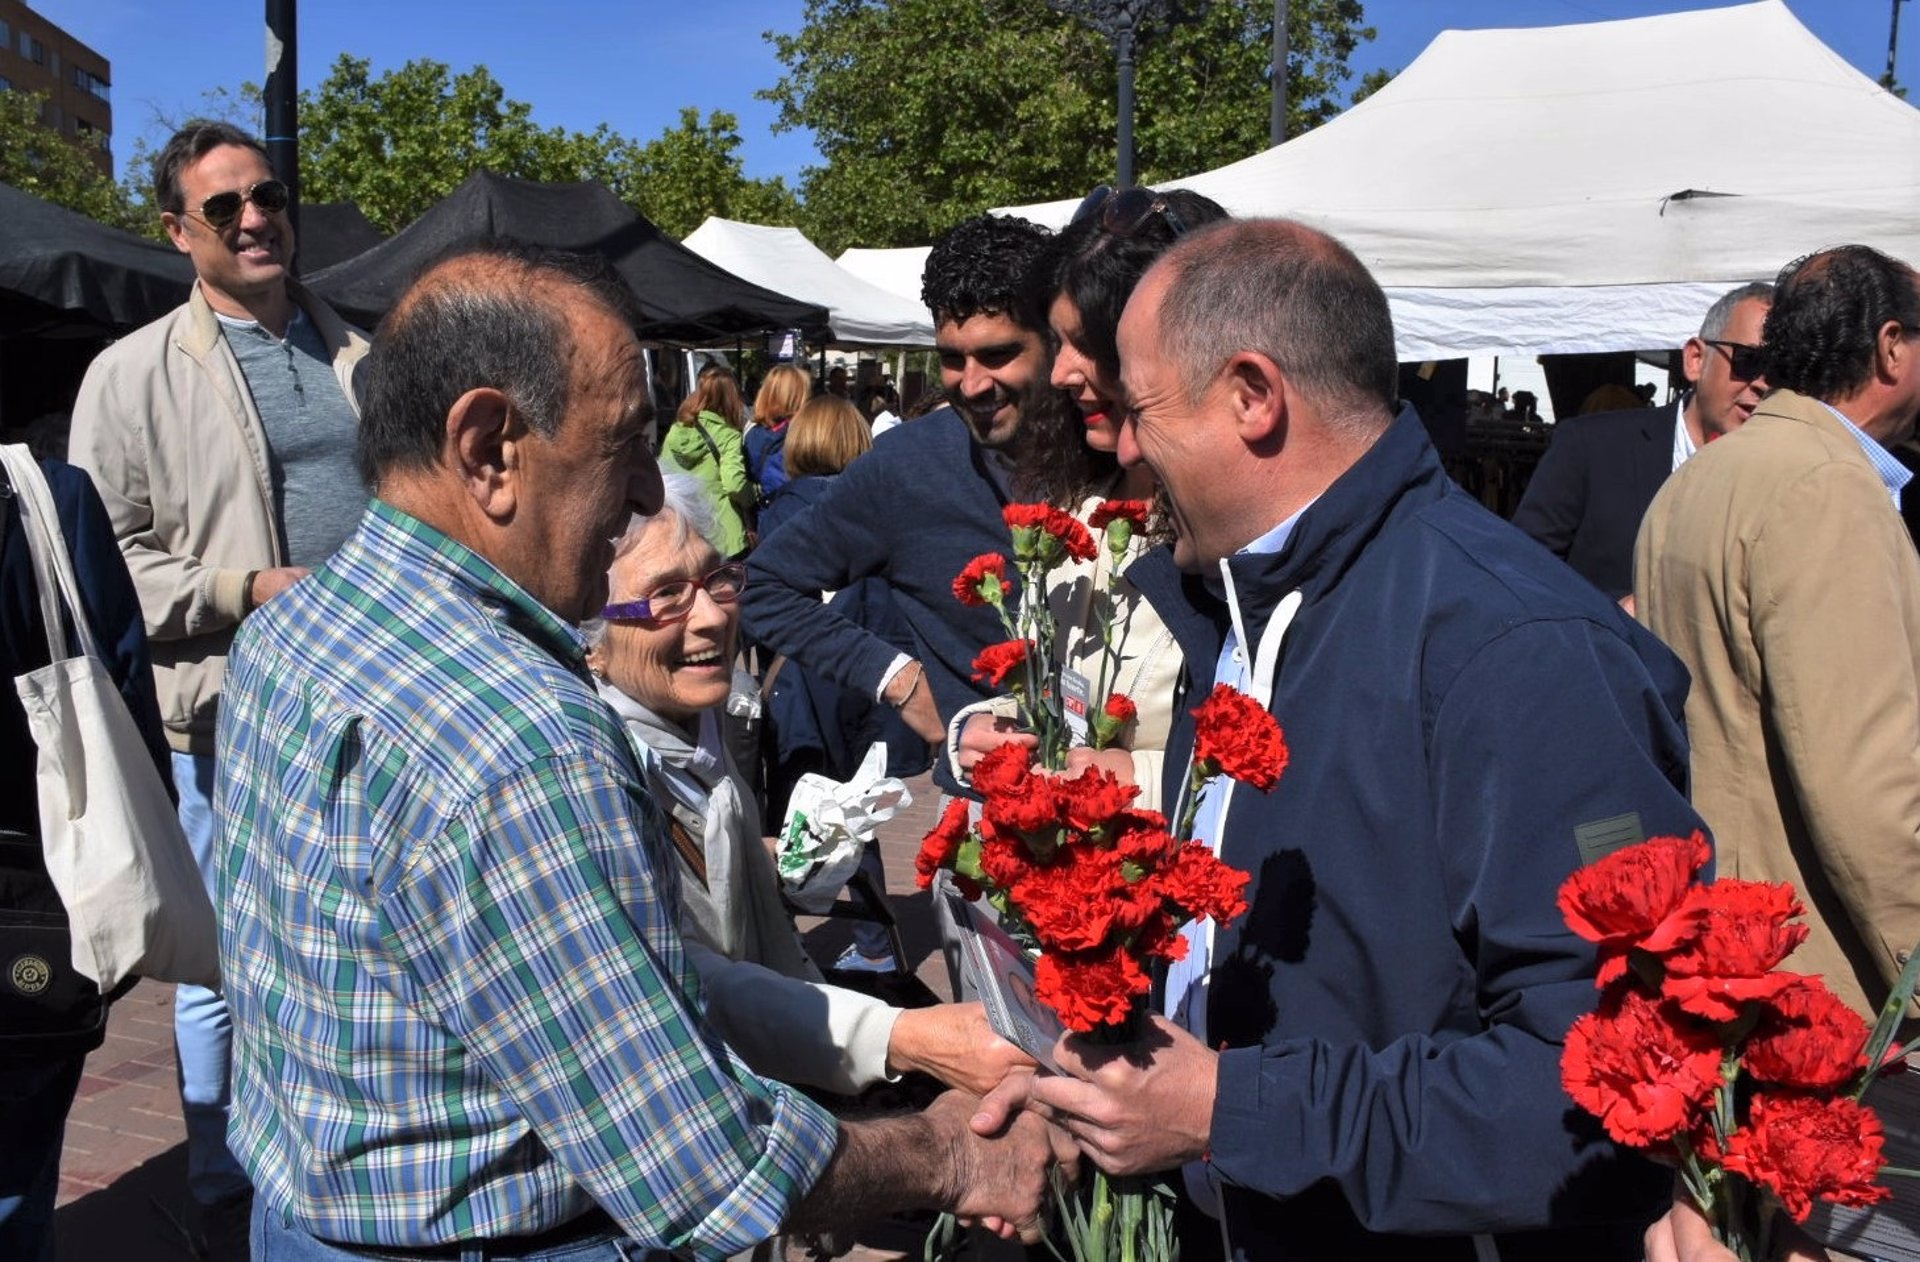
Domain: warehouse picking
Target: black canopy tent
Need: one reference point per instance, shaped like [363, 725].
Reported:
[65, 275]
[332, 232]
[682, 297]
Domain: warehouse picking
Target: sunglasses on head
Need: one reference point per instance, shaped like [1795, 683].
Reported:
[1746, 362]
[670, 602]
[220, 210]
[1125, 212]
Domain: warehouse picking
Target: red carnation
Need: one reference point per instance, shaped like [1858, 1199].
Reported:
[1200, 885]
[1093, 798]
[1641, 1067]
[1808, 1148]
[1134, 511]
[1087, 990]
[1003, 770]
[1630, 898]
[1234, 734]
[1120, 707]
[1038, 806]
[1070, 902]
[995, 662]
[1741, 932]
[1806, 1038]
[1004, 858]
[940, 846]
[983, 582]
[1141, 838]
[1030, 522]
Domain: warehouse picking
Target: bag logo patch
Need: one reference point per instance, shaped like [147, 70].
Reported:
[30, 974]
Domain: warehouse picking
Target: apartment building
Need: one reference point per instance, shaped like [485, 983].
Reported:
[37, 56]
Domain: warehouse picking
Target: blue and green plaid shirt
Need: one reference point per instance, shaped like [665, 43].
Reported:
[449, 931]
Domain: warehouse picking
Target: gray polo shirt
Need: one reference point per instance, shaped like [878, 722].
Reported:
[318, 497]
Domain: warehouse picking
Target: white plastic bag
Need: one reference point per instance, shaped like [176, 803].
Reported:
[829, 823]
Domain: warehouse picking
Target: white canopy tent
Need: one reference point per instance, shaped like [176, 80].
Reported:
[897, 271]
[1592, 187]
[783, 260]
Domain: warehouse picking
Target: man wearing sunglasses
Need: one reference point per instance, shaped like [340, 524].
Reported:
[1777, 565]
[1593, 486]
[221, 439]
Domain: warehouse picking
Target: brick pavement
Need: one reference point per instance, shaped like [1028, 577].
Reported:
[123, 1195]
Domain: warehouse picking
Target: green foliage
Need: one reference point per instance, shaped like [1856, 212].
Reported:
[37, 159]
[928, 111]
[396, 144]
[694, 170]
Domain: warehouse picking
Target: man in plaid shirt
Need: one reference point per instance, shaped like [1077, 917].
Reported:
[464, 1019]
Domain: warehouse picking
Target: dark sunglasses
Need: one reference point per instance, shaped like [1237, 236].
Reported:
[670, 602]
[220, 210]
[1748, 363]
[1124, 212]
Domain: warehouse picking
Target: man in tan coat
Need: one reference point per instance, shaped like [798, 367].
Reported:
[1777, 566]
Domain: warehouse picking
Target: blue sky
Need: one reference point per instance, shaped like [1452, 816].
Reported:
[634, 63]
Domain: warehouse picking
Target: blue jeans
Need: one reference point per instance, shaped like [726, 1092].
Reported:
[34, 1101]
[275, 1239]
[202, 1030]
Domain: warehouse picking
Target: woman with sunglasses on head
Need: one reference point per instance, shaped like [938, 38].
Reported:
[663, 654]
[705, 440]
[1064, 455]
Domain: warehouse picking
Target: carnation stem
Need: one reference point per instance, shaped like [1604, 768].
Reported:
[1888, 1021]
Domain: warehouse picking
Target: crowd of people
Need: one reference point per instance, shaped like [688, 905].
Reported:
[505, 968]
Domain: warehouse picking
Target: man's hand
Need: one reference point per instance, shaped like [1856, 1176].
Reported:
[984, 733]
[270, 583]
[954, 1043]
[999, 1177]
[1134, 1109]
[1682, 1235]
[911, 696]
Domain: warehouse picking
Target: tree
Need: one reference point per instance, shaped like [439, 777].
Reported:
[928, 111]
[37, 159]
[694, 170]
[396, 144]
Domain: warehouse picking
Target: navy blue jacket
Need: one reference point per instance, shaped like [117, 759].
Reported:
[1587, 497]
[1458, 704]
[911, 512]
[816, 725]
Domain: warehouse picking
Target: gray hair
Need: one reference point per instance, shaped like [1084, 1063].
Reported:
[686, 508]
[1713, 325]
[1297, 296]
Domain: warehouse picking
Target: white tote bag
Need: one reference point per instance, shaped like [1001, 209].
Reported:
[113, 844]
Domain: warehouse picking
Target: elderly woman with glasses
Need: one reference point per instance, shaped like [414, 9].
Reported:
[1064, 455]
[663, 655]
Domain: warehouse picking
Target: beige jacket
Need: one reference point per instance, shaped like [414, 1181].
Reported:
[167, 428]
[1775, 565]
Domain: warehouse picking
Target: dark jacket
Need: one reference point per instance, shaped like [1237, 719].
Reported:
[812, 723]
[767, 459]
[113, 611]
[1593, 486]
[1461, 711]
[912, 512]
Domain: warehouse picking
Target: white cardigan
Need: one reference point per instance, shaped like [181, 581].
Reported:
[763, 994]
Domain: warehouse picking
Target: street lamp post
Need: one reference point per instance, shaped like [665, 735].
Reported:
[282, 92]
[1893, 45]
[1120, 21]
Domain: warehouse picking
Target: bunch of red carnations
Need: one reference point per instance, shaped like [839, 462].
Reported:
[1095, 888]
[1704, 1053]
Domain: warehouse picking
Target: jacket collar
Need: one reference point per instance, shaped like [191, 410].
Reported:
[203, 326]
